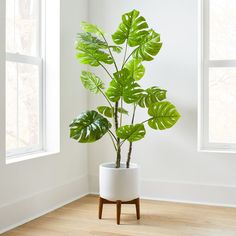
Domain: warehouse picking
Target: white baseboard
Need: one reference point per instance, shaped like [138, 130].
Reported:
[205, 194]
[31, 207]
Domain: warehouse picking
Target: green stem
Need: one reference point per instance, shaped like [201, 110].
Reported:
[131, 144]
[132, 121]
[146, 120]
[110, 52]
[106, 99]
[105, 69]
[127, 58]
[110, 134]
[118, 150]
[121, 106]
[126, 46]
[112, 109]
[118, 156]
[134, 110]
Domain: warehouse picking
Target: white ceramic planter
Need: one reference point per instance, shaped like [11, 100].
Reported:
[119, 183]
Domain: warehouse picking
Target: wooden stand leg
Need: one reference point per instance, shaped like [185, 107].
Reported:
[118, 211]
[100, 208]
[118, 207]
[137, 205]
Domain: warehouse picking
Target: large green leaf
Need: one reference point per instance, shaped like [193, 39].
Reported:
[135, 68]
[93, 57]
[89, 127]
[132, 92]
[117, 49]
[90, 41]
[123, 86]
[91, 82]
[121, 110]
[115, 89]
[163, 115]
[108, 111]
[131, 133]
[132, 28]
[149, 46]
[91, 28]
[94, 43]
[91, 50]
[152, 95]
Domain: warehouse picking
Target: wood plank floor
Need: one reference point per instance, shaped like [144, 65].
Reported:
[158, 218]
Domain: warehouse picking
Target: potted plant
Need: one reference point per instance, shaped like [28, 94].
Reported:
[119, 180]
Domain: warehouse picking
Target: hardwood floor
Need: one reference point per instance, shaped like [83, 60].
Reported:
[80, 218]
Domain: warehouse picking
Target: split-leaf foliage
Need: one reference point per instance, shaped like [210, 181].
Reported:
[123, 92]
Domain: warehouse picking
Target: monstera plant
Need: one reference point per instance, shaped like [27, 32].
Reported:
[140, 44]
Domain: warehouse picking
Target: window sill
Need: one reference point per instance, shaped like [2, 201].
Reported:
[215, 150]
[29, 156]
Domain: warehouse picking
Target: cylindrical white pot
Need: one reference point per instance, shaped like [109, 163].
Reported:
[119, 183]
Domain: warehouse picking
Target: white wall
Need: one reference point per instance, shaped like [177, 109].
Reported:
[172, 168]
[33, 187]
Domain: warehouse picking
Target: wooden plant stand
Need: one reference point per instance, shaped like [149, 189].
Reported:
[118, 207]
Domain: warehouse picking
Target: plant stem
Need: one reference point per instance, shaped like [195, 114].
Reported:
[118, 156]
[111, 133]
[106, 99]
[105, 69]
[132, 121]
[131, 144]
[146, 120]
[126, 46]
[111, 136]
[127, 58]
[112, 109]
[118, 150]
[110, 52]
[121, 106]
[129, 155]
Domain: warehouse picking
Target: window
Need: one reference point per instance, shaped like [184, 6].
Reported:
[217, 120]
[30, 92]
[24, 77]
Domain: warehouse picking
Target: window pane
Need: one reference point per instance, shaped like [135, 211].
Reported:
[222, 105]
[28, 100]
[22, 105]
[22, 27]
[222, 29]
[11, 105]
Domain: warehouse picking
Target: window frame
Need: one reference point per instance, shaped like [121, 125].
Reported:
[38, 60]
[205, 63]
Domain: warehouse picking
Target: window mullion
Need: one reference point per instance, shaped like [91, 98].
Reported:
[222, 63]
[18, 58]
[17, 104]
[205, 79]
[41, 105]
